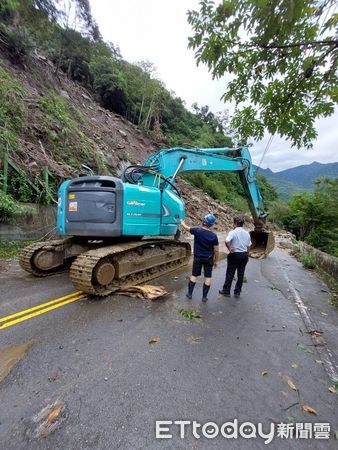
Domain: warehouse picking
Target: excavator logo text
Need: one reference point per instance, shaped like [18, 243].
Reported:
[135, 203]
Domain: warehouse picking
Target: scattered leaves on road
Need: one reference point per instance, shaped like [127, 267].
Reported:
[305, 348]
[48, 419]
[292, 385]
[283, 329]
[273, 288]
[154, 340]
[309, 409]
[190, 314]
[194, 339]
[315, 333]
[54, 414]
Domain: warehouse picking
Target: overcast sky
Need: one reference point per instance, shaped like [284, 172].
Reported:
[158, 31]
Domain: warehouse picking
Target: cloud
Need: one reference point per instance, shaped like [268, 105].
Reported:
[158, 31]
[281, 156]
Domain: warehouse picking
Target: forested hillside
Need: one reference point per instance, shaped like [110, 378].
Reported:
[68, 98]
[312, 217]
[306, 175]
[130, 90]
[300, 178]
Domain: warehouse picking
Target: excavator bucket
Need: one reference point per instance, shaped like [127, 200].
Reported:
[263, 242]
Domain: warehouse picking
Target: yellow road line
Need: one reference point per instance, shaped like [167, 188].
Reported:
[43, 308]
[40, 306]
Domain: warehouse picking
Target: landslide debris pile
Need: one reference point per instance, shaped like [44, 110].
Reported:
[198, 204]
[61, 126]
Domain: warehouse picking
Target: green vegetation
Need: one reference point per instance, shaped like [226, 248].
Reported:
[17, 40]
[268, 191]
[13, 120]
[278, 211]
[131, 90]
[308, 260]
[70, 145]
[299, 179]
[227, 188]
[296, 91]
[312, 217]
[12, 111]
[281, 58]
[20, 188]
[284, 187]
[9, 208]
[57, 130]
[332, 284]
[189, 314]
[11, 249]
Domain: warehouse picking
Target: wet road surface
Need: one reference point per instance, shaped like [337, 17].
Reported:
[90, 370]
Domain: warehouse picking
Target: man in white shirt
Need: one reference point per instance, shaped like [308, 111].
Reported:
[238, 243]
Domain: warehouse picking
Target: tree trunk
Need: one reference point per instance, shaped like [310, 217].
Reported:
[150, 112]
[141, 110]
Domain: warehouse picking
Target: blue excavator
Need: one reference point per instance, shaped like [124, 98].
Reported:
[120, 231]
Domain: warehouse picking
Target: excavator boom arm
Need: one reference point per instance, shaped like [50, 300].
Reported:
[167, 163]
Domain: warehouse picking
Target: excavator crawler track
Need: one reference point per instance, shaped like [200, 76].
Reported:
[26, 259]
[126, 264]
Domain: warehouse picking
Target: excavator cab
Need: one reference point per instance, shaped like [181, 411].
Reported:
[263, 242]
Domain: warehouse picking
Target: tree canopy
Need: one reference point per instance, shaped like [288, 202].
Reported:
[312, 217]
[281, 56]
[63, 32]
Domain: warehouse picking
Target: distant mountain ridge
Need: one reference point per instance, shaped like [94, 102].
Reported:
[300, 178]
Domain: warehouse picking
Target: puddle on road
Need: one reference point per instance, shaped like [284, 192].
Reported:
[10, 356]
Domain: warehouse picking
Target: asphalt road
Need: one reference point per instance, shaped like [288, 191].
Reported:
[251, 359]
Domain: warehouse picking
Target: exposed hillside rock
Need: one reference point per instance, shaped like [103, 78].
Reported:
[110, 137]
[198, 204]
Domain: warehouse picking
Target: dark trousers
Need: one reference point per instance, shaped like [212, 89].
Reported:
[236, 261]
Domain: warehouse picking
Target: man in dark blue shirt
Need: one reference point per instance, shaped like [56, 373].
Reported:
[205, 254]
